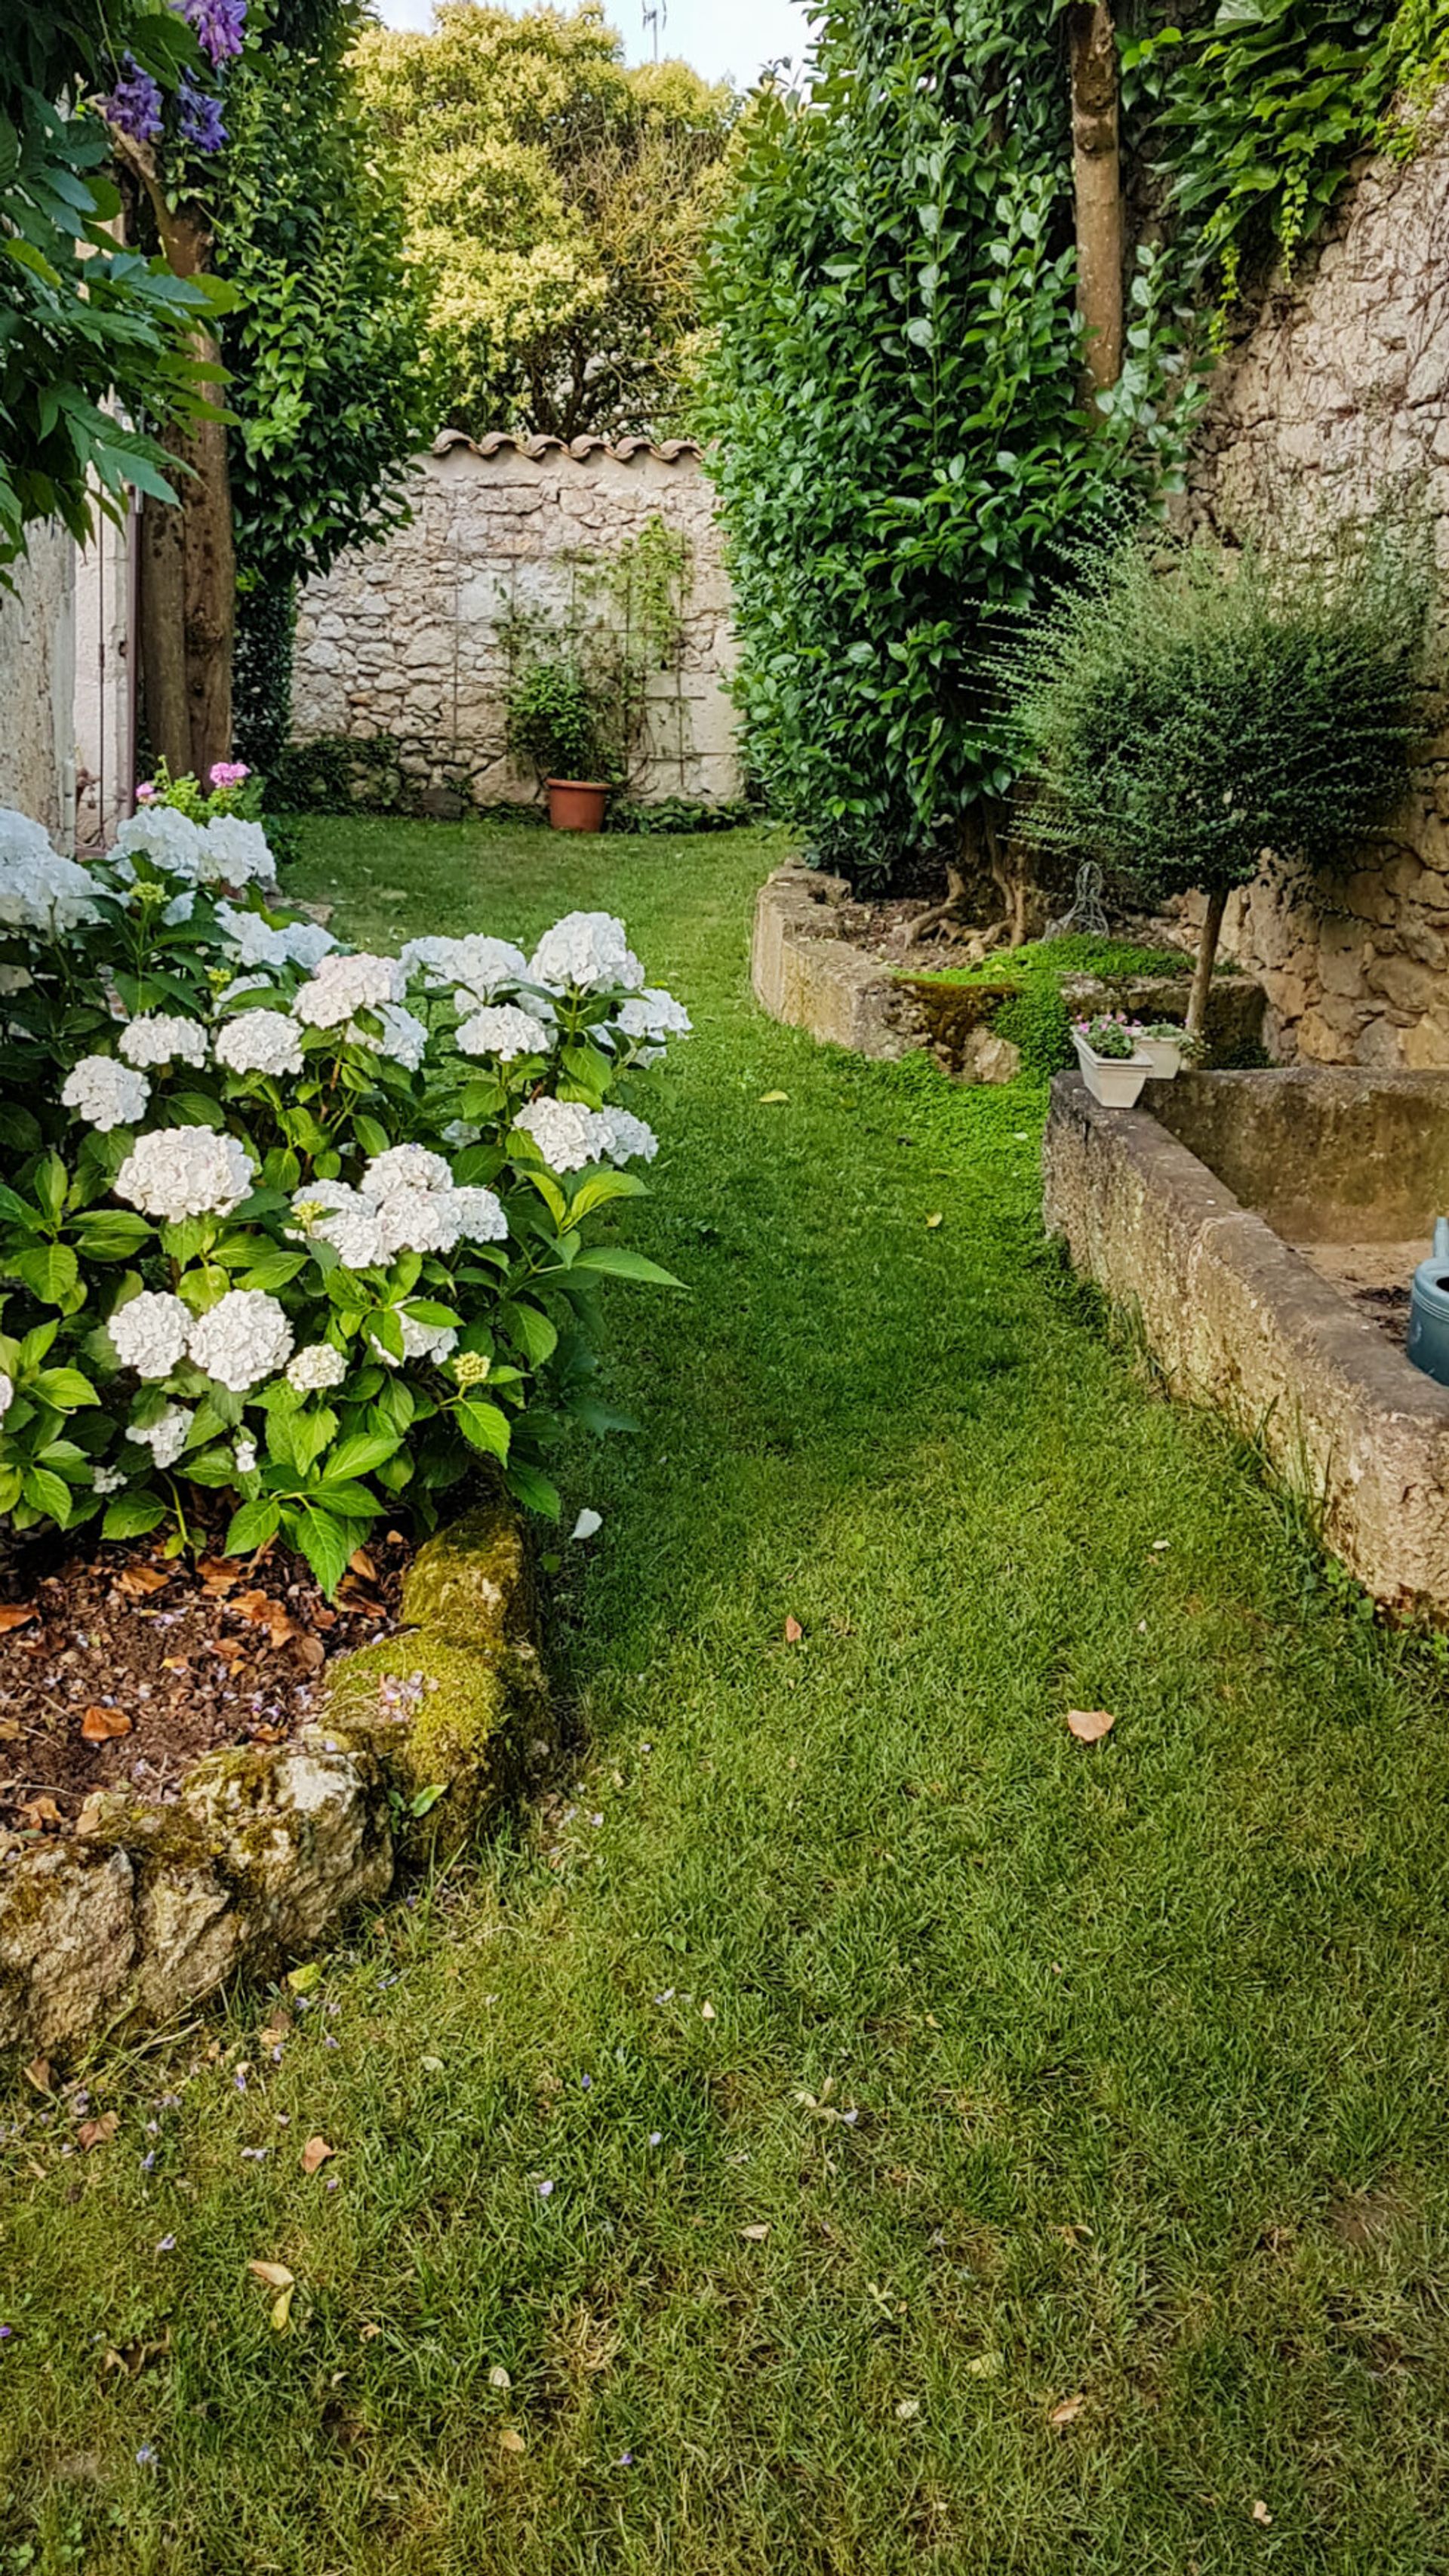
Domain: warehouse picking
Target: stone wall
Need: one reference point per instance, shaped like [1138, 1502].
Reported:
[37, 683]
[1340, 385]
[402, 640]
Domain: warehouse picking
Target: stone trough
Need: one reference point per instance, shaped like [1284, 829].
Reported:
[1263, 1228]
[422, 1739]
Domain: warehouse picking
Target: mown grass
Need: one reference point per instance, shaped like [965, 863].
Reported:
[1140, 2050]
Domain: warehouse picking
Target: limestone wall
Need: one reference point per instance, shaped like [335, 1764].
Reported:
[403, 640]
[1340, 384]
[37, 683]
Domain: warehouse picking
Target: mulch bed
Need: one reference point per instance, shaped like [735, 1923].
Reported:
[118, 1669]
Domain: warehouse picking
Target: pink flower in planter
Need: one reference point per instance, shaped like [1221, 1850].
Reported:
[227, 773]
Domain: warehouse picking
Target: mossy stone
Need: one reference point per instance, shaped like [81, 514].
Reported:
[473, 1582]
[437, 1714]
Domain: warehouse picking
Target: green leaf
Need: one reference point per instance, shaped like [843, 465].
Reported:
[533, 1489]
[274, 1270]
[600, 1189]
[51, 1269]
[109, 1234]
[426, 1799]
[485, 1427]
[253, 1525]
[616, 1261]
[132, 1515]
[48, 1492]
[65, 1388]
[360, 1454]
[532, 1330]
[326, 1544]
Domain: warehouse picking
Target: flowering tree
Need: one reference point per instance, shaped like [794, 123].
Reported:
[305, 1226]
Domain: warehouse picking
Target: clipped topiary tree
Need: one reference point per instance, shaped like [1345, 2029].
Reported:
[1187, 714]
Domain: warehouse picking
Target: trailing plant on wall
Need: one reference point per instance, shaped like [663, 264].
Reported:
[1185, 714]
[578, 689]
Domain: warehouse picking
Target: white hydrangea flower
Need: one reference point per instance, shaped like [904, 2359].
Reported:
[419, 1221]
[38, 890]
[106, 1094]
[625, 1138]
[150, 1333]
[242, 1339]
[179, 909]
[479, 963]
[237, 850]
[480, 1216]
[260, 1042]
[245, 1453]
[163, 1037]
[653, 1016]
[320, 1364]
[167, 1438]
[256, 943]
[15, 979]
[405, 1167]
[334, 1213]
[565, 1132]
[460, 1132]
[343, 984]
[404, 1038]
[168, 838]
[7, 1394]
[506, 1032]
[177, 1172]
[107, 1480]
[586, 952]
[423, 1342]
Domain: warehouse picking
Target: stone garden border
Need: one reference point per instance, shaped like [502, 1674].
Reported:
[806, 973]
[1238, 1319]
[422, 1739]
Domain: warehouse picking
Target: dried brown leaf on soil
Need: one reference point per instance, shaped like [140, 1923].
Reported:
[1089, 1725]
[137, 1580]
[42, 1814]
[265, 1612]
[16, 1614]
[99, 1725]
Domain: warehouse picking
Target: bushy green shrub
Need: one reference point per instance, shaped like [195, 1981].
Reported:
[1187, 714]
[557, 719]
[304, 1226]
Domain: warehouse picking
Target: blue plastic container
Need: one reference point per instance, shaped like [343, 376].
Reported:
[1429, 1310]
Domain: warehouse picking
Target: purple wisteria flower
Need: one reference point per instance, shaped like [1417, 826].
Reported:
[217, 26]
[198, 117]
[134, 105]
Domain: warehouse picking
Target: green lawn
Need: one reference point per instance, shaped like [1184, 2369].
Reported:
[1110, 2081]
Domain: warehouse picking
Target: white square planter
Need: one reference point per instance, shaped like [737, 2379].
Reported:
[1165, 1057]
[1115, 1080]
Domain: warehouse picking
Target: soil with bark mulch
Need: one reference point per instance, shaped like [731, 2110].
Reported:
[119, 1669]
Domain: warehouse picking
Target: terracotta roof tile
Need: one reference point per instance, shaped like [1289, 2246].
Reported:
[624, 450]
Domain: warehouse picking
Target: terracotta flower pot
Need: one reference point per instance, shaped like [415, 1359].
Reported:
[576, 804]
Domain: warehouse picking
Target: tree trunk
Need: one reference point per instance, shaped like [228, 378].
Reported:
[163, 640]
[1207, 950]
[188, 573]
[1097, 172]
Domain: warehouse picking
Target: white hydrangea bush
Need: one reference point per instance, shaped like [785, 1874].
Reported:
[303, 1225]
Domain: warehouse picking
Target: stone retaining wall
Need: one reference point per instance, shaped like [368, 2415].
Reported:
[267, 1849]
[1341, 385]
[401, 642]
[1239, 1319]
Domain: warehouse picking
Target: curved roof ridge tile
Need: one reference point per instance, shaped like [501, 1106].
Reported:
[622, 450]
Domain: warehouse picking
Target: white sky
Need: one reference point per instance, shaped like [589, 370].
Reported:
[717, 36]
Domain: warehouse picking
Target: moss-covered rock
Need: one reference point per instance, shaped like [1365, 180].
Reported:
[67, 1936]
[473, 1583]
[438, 1716]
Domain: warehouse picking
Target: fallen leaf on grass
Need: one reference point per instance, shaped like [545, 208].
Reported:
[137, 1580]
[302, 1980]
[773, 1099]
[1067, 2413]
[907, 2409]
[706, 2012]
[933, 1221]
[754, 2235]
[987, 2365]
[97, 2133]
[281, 2316]
[508, 2440]
[1261, 2513]
[315, 2155]
[38, 2074]
[498, 2377]
[793, 1631]
[1089, 1725]
[99, 1725]
[275, 2275]
[16, 1614]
